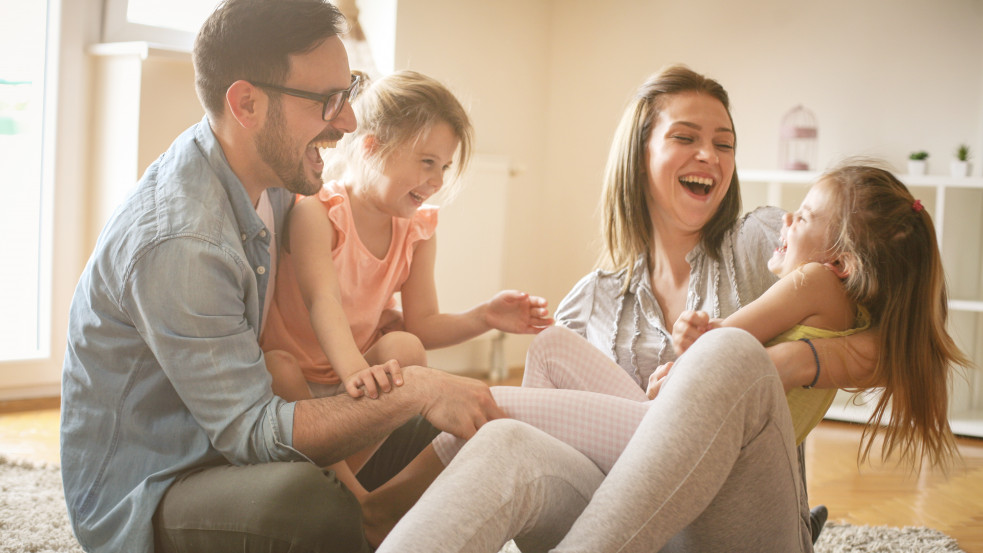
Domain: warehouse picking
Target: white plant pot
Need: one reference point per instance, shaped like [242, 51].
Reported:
[959, 168]
[917, 166]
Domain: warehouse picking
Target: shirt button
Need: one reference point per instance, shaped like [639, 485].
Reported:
[244, 237]
[261, 270]
[262, 233]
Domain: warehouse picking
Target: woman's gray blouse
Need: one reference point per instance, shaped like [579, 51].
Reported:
[630, 327]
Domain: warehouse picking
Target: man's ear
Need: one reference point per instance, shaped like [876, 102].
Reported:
[246, 103]
[843, 265]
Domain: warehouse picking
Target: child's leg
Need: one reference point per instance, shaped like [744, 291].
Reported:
[384, 506]
[288, 380]
[289, 383]
[560, 358]
[407, 350]
[402, 346]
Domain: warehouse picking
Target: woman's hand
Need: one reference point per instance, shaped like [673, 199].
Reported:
[370, 381]
[657, 379]
[517, 312]
[688, 327]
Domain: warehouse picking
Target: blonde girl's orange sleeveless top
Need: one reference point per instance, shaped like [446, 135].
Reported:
[367, 284]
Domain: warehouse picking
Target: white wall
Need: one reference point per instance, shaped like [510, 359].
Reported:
[547, 81]
[495, 57]
[883, 77]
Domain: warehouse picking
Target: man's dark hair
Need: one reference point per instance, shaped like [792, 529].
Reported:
[252, 39]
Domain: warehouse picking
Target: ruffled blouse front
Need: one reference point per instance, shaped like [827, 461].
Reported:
[630, 327]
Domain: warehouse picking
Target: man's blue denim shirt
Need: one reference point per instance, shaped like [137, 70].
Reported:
[163, 370]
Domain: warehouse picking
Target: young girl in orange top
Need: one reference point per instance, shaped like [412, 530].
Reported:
[334, 324]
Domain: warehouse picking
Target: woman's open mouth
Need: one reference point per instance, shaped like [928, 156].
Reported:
[701, 186]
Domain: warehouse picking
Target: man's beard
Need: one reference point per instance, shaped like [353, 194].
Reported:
[272, 146]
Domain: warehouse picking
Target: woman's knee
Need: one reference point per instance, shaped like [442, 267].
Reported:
[520, 454]
[731, 352]
[547, 344]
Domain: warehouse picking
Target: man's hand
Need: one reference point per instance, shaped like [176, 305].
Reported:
[452, 403]
[373, 379]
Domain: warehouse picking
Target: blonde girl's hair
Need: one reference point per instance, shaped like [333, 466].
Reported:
[889, 243]
[627, 223]
[394, 110]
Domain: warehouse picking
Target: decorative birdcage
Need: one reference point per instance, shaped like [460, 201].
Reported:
[798, 140]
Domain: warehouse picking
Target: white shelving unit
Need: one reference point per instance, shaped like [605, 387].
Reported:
[956, 206]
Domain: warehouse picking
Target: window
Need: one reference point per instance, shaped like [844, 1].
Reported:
[24, 213]
[168, 22]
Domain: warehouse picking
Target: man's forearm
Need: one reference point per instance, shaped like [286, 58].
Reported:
[330, 429]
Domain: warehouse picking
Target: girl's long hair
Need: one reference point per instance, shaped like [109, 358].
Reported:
[889, 243]
[627, 223]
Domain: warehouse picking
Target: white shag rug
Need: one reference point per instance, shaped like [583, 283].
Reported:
[34, 519]
[33, 515]
[846, 538]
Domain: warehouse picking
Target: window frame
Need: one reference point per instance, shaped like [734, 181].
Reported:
[71, 26]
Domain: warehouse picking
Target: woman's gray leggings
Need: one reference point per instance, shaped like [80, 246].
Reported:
[711, 467]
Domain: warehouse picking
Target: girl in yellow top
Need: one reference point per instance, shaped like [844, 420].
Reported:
[859, 253]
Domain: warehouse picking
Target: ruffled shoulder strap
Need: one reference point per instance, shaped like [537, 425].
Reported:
[334, 196]
[423, 224]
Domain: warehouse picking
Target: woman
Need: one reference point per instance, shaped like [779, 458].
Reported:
[713, 464]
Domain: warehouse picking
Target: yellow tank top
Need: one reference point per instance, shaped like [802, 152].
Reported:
[809, 406]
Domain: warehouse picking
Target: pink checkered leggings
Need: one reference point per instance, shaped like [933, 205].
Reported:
[573, 392]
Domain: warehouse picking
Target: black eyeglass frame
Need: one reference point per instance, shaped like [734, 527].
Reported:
[346, 94]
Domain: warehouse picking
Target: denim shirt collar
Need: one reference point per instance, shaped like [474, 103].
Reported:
[248, 221]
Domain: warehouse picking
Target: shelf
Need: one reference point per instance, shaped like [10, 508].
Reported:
[966, 305]
[809, 177]
[955, 205]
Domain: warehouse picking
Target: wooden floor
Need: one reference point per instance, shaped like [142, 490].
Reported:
[873, 495]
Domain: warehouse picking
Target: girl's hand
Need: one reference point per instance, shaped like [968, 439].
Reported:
[688, 327]
[517, 312]
[369, 381]
[657, 379]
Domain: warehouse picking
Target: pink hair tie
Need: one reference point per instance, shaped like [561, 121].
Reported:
[917, 206]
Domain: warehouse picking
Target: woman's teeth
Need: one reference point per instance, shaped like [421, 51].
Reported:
[697, 185]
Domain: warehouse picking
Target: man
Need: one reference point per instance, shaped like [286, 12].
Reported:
[171, 437]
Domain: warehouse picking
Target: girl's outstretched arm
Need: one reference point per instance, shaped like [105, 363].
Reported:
[311, 240]
[812, 295]
[509, 310]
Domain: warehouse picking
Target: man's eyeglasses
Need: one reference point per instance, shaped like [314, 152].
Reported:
[331, 104]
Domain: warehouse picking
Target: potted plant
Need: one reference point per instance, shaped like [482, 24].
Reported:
[960, 166]
[917, 163]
